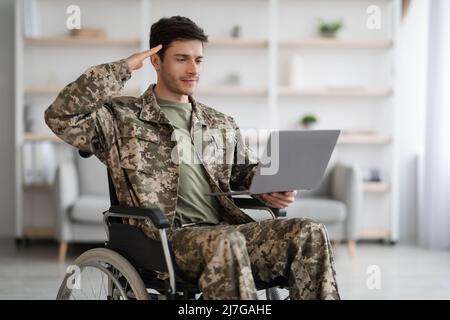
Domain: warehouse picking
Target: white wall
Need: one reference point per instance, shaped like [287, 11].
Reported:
[7, 118]
[411, 100]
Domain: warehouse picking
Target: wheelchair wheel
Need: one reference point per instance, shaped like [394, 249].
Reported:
[102, 274]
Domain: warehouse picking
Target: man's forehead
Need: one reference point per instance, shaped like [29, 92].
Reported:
[186, 48]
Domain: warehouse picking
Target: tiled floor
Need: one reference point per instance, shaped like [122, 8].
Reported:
[406, 271]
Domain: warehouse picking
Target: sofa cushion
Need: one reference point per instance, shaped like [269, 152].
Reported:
[319, 209]
[88, 209]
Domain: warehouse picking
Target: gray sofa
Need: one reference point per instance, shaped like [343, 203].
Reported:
[336, 203]
[82, 195]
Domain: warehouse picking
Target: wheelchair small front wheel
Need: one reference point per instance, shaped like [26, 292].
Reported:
[102, 274]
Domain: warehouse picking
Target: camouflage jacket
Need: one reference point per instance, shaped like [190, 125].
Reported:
[133, 138]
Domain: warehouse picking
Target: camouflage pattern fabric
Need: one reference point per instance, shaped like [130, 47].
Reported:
[296, 250]
[134, 139]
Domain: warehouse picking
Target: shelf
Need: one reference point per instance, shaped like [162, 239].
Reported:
[369, 139]
[307, 43]
[287, 91]
[38, 186]
[37, 232]
[67, 40]
[43, 89]
[336, 92]
[231, 90]
[376, 187]
[237, 42]
[53, 89]
[30, 137]
[336, 43]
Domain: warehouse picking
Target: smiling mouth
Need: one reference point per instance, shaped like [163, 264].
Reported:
[191, 82]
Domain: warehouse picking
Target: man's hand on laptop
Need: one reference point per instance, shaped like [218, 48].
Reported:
[279, 199]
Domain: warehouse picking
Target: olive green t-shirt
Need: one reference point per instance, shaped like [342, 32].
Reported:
[193, 205]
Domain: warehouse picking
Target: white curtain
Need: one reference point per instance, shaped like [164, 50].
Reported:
[434, 211]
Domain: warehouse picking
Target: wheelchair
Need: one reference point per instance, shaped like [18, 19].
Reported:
[133, 266]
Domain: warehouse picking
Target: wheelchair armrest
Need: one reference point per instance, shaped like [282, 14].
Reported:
[157, 217]
[252, 203]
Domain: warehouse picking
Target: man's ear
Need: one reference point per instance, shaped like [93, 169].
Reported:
[156, 62]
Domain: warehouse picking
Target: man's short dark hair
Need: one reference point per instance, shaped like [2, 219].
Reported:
[167, 30]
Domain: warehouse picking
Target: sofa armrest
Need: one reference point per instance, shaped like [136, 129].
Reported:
[346, 186]
[66, 193]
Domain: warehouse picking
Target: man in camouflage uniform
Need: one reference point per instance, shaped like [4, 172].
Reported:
[214, 242]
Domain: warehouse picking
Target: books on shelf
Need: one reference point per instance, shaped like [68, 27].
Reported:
[39, 163]
[30, 19]
[34, 119]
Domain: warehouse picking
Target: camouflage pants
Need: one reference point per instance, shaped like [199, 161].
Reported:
[226, 260]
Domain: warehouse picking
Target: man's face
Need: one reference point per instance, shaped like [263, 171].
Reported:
[180, 68]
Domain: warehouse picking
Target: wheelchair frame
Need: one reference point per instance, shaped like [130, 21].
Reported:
[155, 257]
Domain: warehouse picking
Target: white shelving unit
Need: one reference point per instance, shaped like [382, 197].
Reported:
[45, 63]
[348, 81]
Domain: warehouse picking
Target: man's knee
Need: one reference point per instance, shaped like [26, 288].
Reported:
[311, 229]
[231, 237]
[230, 252]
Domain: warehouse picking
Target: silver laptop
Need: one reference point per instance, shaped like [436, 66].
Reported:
[296, 160]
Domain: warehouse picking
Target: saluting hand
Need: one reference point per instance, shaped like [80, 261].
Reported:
[136, 61]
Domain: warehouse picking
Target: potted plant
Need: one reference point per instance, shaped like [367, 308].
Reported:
[236, 31]
[329, 29]
[308, 120]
